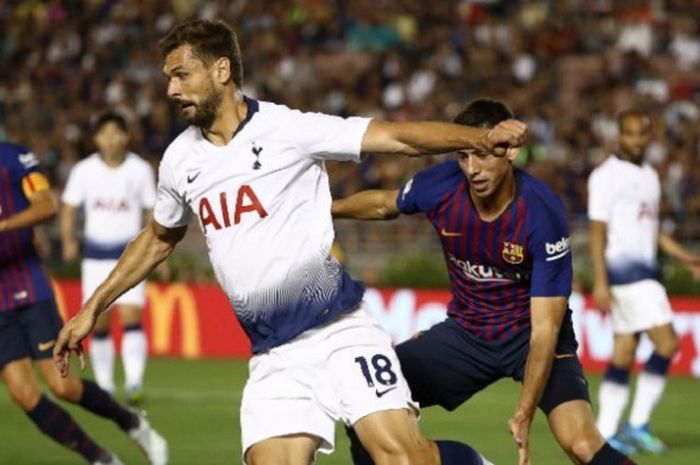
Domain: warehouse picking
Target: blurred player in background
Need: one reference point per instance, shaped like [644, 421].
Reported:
[116, 189]
[505, 238]
[623, 207]
[29, 323]
[253, 174]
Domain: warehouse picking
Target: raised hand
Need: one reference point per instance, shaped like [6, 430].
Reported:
[506, 134]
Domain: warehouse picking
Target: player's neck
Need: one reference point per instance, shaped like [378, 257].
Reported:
[626, 157]
[491, 207]
[113, 160]
[231, 113]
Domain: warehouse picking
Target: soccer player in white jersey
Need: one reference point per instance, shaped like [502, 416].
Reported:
[116, 189]
[623, 208]
[252, 174]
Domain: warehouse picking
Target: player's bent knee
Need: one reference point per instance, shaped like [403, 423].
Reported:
[64, 389]
[584, 448]
[420, 452]
[25, 395]
[669, 347]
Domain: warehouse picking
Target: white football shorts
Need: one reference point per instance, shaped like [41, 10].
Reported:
[639, 306]
[341, 371]
[95, 271]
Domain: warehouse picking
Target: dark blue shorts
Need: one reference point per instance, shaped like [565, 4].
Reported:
[29, 331]
[446, 365]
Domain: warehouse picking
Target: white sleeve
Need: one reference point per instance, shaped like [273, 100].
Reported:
[73, 193]
[148, 188]
[599, 198]
[326, 137]
[170, 209]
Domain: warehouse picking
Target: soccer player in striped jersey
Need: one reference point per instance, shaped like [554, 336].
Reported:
[505, 239]
[30, 323]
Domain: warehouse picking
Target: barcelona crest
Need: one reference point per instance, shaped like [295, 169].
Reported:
[513, 253]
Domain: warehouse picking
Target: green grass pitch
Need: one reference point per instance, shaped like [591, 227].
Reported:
[195, 405]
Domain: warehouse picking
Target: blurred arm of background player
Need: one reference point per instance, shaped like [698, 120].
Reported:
[42, 207]
[672, 248]
[69, 242]
[597, 234]
[152, 245]
[367, 205]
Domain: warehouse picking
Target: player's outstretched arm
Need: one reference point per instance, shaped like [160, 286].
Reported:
[152, 245]
[546, 314]
[41, 208]
[425, 138]
[367, 205]
[673, 248]
[597, 236]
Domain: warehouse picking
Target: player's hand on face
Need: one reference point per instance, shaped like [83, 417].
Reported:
[508, 133]
[519, 427]
[70, 340]
[602, 298]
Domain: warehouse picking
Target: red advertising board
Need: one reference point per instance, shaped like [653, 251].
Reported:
[197, 321]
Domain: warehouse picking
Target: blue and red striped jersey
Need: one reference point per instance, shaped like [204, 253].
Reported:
[494, 266]
[23, 280]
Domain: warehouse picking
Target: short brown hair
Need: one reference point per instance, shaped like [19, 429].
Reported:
[631, 112]
[210, 40]
[483, 113]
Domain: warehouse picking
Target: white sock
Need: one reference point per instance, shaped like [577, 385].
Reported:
[134, 353]
[612, 398]
[102, 357]
[650, 388]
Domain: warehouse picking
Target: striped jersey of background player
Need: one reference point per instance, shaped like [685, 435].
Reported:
[30, 323]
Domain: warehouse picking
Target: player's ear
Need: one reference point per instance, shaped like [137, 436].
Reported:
[222, 70]
[512, 153]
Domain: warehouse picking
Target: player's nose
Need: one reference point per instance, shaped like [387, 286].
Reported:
[173, 90]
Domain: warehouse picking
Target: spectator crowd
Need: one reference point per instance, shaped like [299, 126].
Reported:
[565, 67]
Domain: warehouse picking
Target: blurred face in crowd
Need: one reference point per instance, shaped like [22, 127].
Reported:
[486, 172]
[111, 140]
[195, 86]
[635, 133]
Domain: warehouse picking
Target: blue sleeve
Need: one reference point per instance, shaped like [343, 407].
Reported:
[424, 190]
[408, 199]
[20, 161]
[552, 269]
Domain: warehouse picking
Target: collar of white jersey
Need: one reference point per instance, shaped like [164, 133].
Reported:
[253, 107]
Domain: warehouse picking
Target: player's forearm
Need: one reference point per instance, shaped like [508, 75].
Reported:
[672, 248]
[537, 369]
[67, 224]
[367, 205]
[37, 213]
[597, 242]
[139, 259]
[420, 138]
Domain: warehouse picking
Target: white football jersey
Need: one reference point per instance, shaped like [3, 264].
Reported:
[626, 197]
[263, 202]
[113, 200]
